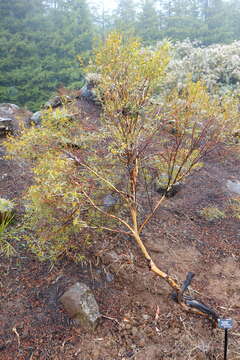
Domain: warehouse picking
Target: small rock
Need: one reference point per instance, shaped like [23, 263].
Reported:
[128, 326]
[9, 108]
[5, 123]
[109, 276]
[79, 302]
[146, 317]
[234, 186]
[10, 118]
[109, 201]
[142, 342]
[135, 331]
[56, 101]
[175, 331]
[88, 91]
[37, 118]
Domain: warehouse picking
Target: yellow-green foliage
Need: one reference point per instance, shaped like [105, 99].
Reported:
[6, 217]
[212, 213]
[128, 76]
[76, 165]
[6, 206]
[57, 213]
[235, 207]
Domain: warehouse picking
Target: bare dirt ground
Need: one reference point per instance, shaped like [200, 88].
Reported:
[140, 321]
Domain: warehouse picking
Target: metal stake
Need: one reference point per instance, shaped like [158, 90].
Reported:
[225, 344]
[225, 324]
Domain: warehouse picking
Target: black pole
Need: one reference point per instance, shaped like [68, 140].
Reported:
[225, 344]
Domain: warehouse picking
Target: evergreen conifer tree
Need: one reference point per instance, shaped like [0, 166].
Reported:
[125, 17]
[149, 22]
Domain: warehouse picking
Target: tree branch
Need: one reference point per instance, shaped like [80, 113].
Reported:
[75, 158]
[151, 214]
[104, 212]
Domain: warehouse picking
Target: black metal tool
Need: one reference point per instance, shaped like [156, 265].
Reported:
[192, 303]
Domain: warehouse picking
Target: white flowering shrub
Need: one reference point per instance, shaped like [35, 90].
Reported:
[218, 66]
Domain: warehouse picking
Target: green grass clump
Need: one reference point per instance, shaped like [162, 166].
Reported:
[235, 207]
[212, 213]
[6, 217]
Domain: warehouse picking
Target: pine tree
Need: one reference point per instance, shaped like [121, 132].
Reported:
[234, 15]
[71, 34]
[148, 22]
[21, 26]
[40, 41]
[102, 19]
[218, 22]
[125, 17]
[182, 20]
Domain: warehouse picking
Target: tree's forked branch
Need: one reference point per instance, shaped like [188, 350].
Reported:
[75, 158]
[104, 212]
[151, 214]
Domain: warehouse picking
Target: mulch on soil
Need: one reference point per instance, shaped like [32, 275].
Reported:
[141, 321]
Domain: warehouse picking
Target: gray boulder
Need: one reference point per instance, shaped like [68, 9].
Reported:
[80, 304]
[6, 117]
[5, 124]
[11, 116]
[36, 118]
[8, 108]
[87, 92]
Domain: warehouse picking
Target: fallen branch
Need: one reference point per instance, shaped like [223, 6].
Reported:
[17, 334]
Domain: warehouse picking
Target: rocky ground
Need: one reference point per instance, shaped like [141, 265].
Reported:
[140, 321]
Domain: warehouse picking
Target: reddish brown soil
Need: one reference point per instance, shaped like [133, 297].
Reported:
[141, 321]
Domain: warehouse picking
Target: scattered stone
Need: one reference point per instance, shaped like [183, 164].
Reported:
[142, 341]
[53, 103]
[109, 276]
[110, 257]
[135, 331]
[88, 91]
[8, 108]
[5, 123]
[36, 118]
[234, 186]
[57, 101]
[146, 317]
[11, 116]
[109, 201]
[176, 331]
[79, 302]
[128, 326]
